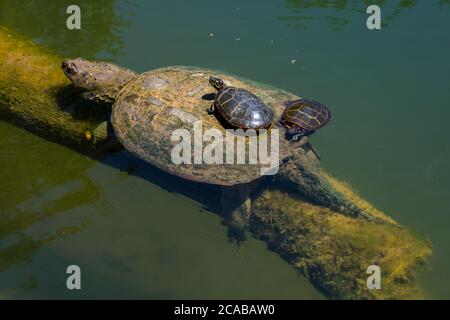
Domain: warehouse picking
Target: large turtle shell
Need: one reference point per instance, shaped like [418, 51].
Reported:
[307, 114]
[243, 109]
[155, 103]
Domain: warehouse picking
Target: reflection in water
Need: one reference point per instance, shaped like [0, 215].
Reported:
[51, 221]
[33, 192]
[307, 12]
[32, 200]
[45, 22]
[37, 192]
[25, 246]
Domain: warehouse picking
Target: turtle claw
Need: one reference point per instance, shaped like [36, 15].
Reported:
[212, 109]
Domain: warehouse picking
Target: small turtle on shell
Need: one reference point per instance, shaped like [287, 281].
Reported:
[239, 107]
[302, 117]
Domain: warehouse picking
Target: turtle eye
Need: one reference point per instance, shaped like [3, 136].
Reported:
[71, 69]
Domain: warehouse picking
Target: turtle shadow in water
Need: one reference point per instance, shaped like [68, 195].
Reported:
[208, 195]
[125, 161]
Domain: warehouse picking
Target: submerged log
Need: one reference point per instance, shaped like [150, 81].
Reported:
[332, 249]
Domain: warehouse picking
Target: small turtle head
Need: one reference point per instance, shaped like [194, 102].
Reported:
[216, 83]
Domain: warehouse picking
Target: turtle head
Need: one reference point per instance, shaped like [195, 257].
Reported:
[86, 74]
[216, 83]
[101, 81]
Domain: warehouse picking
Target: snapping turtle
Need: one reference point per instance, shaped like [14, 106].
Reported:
[151, 112]
[156, 111]
[240, 108]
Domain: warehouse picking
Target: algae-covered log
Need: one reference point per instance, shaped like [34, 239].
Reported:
[35, 95]
[332, 249]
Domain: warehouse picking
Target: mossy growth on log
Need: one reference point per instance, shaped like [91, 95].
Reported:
[35, 94]
[333, 250]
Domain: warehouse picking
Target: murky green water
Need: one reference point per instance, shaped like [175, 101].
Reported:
[149, 235]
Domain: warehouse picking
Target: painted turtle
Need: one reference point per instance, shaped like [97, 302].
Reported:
[302, 117]
[239, 107]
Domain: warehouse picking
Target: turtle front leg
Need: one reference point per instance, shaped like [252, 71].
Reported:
[212, 109]
[236, 209]
[302, 142]
[313, 150]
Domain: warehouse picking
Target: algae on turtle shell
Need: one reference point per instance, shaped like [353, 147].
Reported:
[331, 249]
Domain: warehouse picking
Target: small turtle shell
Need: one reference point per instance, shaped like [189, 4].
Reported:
[243, 109]
[307, 114]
